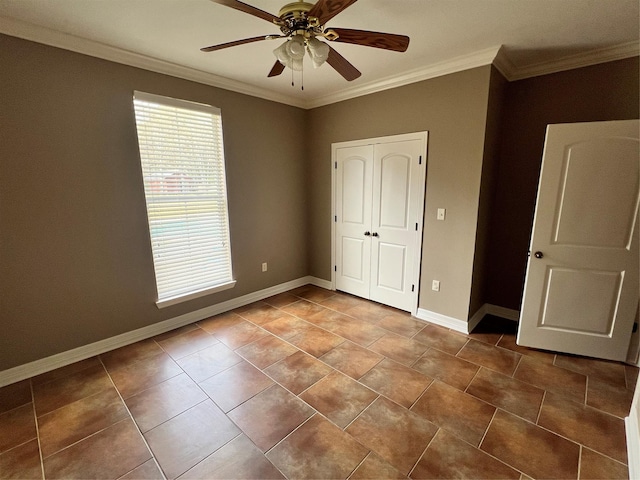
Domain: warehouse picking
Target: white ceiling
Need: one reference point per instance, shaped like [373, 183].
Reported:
[537, 36]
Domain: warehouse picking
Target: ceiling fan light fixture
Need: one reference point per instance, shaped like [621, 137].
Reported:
[291, 52]
[318, 51]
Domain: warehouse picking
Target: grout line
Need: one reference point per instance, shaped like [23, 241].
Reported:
[424, 392]
[124, 404]
[586, 392]
[544, 396]
[516, 369]
[488, 453]
[205, 458]
[438, 430]
[287, 435]
[604, 455]
[361, 413]
[473, 378]
[580, 460]
[488, 426]
[37, 425]
[358, 466]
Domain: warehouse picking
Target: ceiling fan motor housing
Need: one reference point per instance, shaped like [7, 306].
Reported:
[294, 19]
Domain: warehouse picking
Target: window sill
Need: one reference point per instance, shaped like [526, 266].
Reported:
[190, 296]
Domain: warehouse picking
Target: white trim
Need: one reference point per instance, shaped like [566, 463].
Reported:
[62, 359]
[504, 64]
[319, 282]
[201, 293]
[633, 444]
[84, 46]
[493, 55]
[502, 312]
[457, 64]
[477, 317]
[632, 430]
[467, 327]
[496, 310]
[422, 136]
[586, 59]
[443, 320]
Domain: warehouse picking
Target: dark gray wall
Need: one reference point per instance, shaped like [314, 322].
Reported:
[608, 91]
[488, 185]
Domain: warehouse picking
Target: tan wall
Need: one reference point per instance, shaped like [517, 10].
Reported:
[75, 259]
[453, 109]
[607, 91]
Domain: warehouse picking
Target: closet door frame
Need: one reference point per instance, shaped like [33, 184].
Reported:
[423, 137]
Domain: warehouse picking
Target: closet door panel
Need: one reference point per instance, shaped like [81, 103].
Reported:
[353, 219]
[396, 174]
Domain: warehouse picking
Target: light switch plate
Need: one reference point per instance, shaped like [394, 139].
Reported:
[441, 213]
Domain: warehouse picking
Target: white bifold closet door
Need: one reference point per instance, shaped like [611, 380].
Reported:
[379, 199]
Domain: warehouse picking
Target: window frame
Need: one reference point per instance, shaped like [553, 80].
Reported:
[218, 163]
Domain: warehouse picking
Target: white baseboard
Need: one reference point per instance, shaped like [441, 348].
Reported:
[632, 430]
[479, 315]
[633, 445]
[502, 312]
[443, 320]
[62, 359]
[467, 327]
[319, 282]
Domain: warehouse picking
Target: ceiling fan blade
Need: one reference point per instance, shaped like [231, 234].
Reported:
[277, 69]
[342, 65]
[213, 48]
[387, 41]
[243, 7]
[325, 10]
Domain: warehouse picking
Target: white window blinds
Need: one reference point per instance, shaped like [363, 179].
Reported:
[182, 159]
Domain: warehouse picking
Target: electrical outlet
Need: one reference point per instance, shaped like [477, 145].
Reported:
[435, 285]
[264, 267]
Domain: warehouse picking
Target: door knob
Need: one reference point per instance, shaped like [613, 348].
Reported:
[538, 255]
[375, 234]
[367, 233]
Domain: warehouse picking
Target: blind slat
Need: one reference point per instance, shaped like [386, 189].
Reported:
[182, 159]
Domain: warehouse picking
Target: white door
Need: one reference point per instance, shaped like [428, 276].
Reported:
[581, 289]
[353, 216]
[397, 203]
[379, 205]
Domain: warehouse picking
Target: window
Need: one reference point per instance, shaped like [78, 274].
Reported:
[182, 159]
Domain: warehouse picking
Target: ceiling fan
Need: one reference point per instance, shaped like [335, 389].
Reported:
[301, 23]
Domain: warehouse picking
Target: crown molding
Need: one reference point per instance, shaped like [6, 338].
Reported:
[457, 64]
[586, 59]
[497, 56]
[84, 46]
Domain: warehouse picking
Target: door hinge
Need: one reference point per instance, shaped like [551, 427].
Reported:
[335, 165]
[420, 160]
[335, 268]
[413, 287]
[416, 227]
[335, 218]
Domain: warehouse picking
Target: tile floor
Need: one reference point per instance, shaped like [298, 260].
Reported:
[318, 384]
